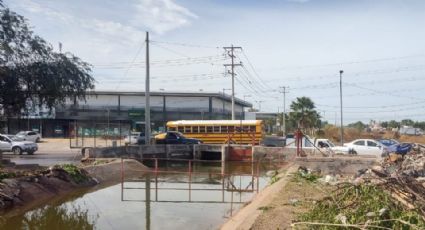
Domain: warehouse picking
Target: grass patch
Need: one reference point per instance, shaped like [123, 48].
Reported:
[274, 179]
[357, 206]
[5, 175]
[306, 176]
[265, 208]
[100, 162]
[75, 173]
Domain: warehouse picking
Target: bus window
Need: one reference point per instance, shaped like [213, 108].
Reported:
[209, 129]
[202, 129]
[252, 128]
[238, 129]
[195, 129]
[216, 129]
[172, 129]
[231, 129]
[224, 129]
[181, 129]
[187, 129]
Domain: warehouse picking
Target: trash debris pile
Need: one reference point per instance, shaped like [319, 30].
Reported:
[390, 195]
[404, 176]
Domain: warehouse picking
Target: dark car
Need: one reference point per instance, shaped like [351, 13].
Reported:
[173, 137]
[273, 141]
[388, 142]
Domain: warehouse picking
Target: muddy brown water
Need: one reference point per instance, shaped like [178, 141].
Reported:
[169, 199]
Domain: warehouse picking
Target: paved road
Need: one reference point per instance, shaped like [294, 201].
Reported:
[51, 152]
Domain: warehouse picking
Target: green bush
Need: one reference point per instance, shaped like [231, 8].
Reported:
[75, 173]
[5, 175]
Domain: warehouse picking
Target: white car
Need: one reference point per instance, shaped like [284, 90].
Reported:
[132, 138]
[29, 136]
[11, 144]
[366, 147]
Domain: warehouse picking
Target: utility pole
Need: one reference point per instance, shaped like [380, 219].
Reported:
[284, 109]
[147, 96]
[230, 51]
[340, 97]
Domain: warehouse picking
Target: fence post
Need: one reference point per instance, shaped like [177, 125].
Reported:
[122, 179]
[190, 180]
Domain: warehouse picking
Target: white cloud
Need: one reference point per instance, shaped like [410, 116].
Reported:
[161, 16]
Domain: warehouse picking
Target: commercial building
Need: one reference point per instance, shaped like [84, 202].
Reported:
[128, 108]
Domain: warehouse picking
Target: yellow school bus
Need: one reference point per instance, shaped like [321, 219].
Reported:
[220, 131]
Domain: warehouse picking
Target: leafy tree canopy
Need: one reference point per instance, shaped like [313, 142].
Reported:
[358, 125]
[303, 113]
[31, 72]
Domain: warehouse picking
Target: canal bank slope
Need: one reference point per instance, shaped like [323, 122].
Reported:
[246, 217]
[22, 190]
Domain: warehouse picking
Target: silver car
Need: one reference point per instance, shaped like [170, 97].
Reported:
[12, 144]
[29, 136]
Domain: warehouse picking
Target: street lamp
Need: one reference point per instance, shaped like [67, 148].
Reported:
[340, 98]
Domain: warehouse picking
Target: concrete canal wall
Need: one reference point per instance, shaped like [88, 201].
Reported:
[197, 152]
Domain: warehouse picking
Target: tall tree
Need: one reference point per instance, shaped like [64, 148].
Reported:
[358, 125]
[303, 113]
[393, 124]
[31, 72]
[408, 122]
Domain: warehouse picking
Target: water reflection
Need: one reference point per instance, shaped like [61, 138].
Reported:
[191, 182]
[177, 195]
[52, 218]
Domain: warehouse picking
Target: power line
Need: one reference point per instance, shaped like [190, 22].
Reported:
[352, 62]
[371, 107]
[187, 45]
[357, 74]
[129, 66]
[167, 61]
[253, 69]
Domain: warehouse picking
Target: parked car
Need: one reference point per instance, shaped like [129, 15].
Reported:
[29, 136]
[273, 141]
[11, 144]
[366, 147]
[172, 137]
[132, 138]
[388, 142]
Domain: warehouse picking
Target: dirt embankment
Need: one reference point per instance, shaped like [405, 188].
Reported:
[278, 204]
[110, 171]
[27, 189]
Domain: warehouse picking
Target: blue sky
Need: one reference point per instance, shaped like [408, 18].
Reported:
[300, 44]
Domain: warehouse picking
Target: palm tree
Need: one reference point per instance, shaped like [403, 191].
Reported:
[303, 113]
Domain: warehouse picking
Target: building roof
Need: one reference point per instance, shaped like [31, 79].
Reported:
[219, 95]
[217, 122]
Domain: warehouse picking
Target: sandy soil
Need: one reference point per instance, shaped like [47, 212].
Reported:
[295, 198]
[278, 205]
[111, 171]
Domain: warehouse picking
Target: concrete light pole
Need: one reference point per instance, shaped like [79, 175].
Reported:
[340, 97]
[147, 96]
